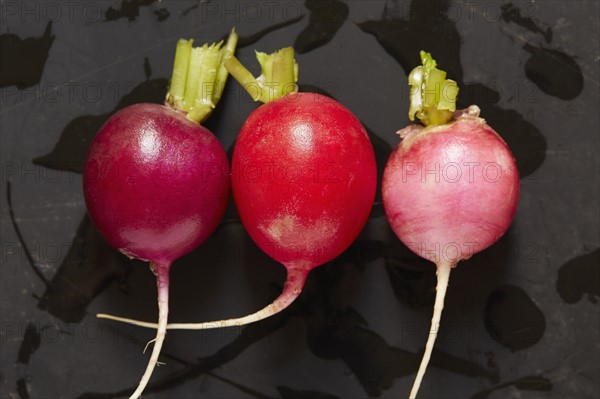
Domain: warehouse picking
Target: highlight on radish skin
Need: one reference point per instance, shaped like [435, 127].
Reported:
[451, 186]
[156, 183]
[303, 178]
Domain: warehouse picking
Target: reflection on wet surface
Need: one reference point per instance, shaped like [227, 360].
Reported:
[513, 319]
[22, 61]
[580, 276]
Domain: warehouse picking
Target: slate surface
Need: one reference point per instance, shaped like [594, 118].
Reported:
[521, 318]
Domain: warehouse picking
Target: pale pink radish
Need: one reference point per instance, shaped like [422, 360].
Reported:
[450, 188]
[156, 183]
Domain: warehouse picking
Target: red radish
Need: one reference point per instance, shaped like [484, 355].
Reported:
[303, 178]
[156, 183]
[450, 189]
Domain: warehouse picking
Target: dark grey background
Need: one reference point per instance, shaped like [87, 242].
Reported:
[521, 318]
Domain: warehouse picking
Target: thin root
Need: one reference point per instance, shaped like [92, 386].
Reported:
[443, 275]
[147, 345]
[163, 312]
[292, 290]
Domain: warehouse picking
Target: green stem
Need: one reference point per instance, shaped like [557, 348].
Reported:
[196, 66]
[199, 77]
[203, 86]
[279, 74]
[432, 96]
[244, 77]
[180, 71]
[222, 73]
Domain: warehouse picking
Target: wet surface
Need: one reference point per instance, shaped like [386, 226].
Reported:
[513, 312]
[332, 333]
[512, 319]
[512, 13]
[432, 29]
[554, 72]
[22, 389]
[70, 151]
[536, 384]
[580, 276]
[89, 266]
[551, 70]
[326, 17]
[130, 10]
[289, 393]
[245, 41]
[31, 342]
[248, 336]
[23, 59]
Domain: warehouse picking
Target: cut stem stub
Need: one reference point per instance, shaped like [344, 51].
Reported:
[432, 96]
[279, 74]
[199, 76]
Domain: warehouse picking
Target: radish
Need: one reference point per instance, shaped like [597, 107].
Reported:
[156, 183]
[303, 178]
[450, 188]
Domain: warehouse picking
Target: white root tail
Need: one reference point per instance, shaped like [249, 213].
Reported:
[291, 291]
[443, 276]
[162, 283]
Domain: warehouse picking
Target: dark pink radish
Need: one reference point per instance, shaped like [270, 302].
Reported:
[450, 188]
[303, 178]
[156, 183]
